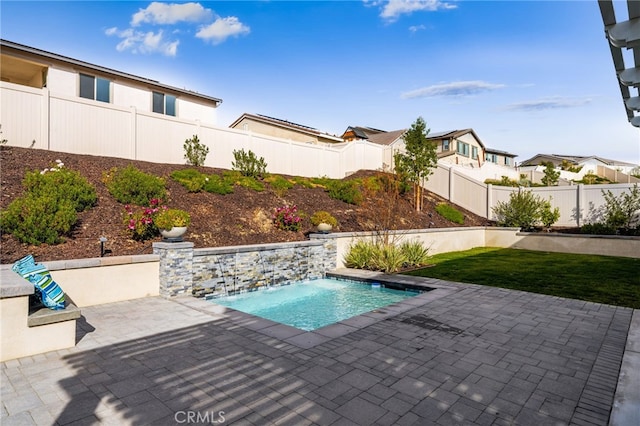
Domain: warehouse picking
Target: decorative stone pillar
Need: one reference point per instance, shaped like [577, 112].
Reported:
[176, 268]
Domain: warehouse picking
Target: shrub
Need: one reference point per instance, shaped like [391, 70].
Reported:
[360, 255]
[450, 213]
[388, 258]
[48, 209]
[191, 179]
[132, 186]
[195, 152]
[287, 218]
[551, 175]
[597, 229]
[525, 210]
[279, 184]
[622, 211]
[322, 216]
[140, 220]
[218, 185]
[415, 253]
[504, 181]
[248, 164]
[168, 218]
[347, 191]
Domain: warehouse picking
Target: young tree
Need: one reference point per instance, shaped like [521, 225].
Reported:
[420, 157]
[551, 175]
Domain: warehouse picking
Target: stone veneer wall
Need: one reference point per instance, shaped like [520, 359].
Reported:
[226, 270]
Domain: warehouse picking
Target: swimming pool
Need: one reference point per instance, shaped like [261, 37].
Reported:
[310, 305]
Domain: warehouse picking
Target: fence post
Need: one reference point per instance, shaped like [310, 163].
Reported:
[176, 268]
[451, 186]
[489, 200]
[579, 203]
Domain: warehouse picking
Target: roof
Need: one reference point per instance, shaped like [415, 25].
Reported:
[576, 159]
[6, 44]
[497, 151]
[301, 128]
[452, 134]
[387, 138]
[363, 132]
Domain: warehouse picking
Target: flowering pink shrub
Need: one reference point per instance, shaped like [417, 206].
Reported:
[140, 220]
[287, 218]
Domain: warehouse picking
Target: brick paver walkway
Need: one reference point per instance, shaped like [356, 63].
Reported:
[463, 354]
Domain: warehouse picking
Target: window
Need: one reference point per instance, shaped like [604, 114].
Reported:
[507, 161]
[445, 145]
[463, 148]
[164, 104]
[95, 88]
[492, 158]
[474, 152]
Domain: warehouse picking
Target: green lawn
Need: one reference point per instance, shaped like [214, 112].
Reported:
[602, 279]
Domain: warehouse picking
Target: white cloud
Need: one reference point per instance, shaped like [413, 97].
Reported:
[457, 88]
[555, 102]
[144, 42]
[137, 39]
[221, 29]
[393, 9]
[415, 28]
[171, 13]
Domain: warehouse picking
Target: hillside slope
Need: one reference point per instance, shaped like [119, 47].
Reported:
[243, 217]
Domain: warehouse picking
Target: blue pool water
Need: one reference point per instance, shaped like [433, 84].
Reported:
[313, 304]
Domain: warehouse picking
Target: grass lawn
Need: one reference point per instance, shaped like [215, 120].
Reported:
[602, 279]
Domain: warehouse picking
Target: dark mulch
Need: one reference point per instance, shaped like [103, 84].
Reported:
[244, 217]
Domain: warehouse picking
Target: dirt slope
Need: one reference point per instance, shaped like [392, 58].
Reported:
[244, 217]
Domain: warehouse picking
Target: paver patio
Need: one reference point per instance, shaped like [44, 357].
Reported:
[463, 354]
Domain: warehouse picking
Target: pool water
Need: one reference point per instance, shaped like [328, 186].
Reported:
[314, 304]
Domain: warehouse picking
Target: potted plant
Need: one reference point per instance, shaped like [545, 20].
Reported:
[172, 223]
[324, 221]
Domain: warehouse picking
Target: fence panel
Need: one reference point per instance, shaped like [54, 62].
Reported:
[21, 113]
[469, 194]
[88, 127]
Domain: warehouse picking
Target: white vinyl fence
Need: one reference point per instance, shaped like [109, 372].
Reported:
[36, 118]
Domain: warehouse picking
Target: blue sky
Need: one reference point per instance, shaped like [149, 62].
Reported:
[528, 77]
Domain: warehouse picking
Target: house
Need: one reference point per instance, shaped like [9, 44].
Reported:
[356, 132]
[63, 76]
[283, 129]
[392, 142]
[498, 157]
[464, 147]
[589, 163]
[575, 167]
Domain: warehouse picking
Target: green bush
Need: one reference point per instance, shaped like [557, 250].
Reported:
[347, 191]
[218, 185]
[322, 216]
[361, 255]
[389, 258]
[526, 211]
[622, 211]
[48, 209]
[279, 184]
[597, 229]
[195, 152]
[248, 164]
[450, 213]
[191, 179]
[132, 186]
[415, 253]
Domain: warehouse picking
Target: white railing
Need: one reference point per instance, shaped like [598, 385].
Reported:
[39, 119]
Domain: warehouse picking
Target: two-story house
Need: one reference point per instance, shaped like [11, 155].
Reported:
[464, 147]
[51, 101]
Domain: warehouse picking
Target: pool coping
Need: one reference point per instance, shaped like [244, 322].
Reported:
[433, 289]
